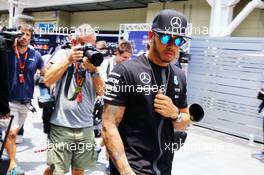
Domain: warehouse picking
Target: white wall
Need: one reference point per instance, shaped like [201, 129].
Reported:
[197, 12]
[109, 19]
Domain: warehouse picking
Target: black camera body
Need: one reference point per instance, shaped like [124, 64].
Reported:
[95, 57]
[109, 50]
[89, 51]
[9, 35]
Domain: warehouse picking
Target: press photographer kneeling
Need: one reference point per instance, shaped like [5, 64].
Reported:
[77, 85]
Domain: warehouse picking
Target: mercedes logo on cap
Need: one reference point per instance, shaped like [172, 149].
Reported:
[145, 78]
[176, 22]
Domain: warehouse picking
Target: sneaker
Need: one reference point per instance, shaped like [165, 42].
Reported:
[19, 139]
[15, 171]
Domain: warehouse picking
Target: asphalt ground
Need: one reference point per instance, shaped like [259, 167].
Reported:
[205, 152]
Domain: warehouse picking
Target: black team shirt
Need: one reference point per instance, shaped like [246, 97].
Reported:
[132, 84]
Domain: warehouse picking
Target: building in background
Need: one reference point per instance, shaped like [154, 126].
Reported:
[107, 15]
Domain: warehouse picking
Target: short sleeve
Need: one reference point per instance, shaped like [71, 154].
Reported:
[115, 90]
[40, 62]
[58, 56]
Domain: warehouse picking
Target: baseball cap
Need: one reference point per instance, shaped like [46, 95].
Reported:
[170, 22]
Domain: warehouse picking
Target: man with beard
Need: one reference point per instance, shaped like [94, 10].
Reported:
[146, 101]
[23, 64]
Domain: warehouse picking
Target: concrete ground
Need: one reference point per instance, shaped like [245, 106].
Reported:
[205, 152]
[212, 153]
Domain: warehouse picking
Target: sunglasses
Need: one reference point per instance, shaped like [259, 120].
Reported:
[165, 39]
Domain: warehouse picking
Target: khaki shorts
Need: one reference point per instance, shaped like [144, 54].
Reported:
[19, 111]
[71, 147]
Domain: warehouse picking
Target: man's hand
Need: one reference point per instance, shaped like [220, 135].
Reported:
[75, 54]
[88, 65]
[6, 116]
[164, 106]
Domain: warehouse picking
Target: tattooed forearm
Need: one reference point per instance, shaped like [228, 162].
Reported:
[111, 118]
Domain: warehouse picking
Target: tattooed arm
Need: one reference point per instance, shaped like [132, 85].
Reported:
[112, 116]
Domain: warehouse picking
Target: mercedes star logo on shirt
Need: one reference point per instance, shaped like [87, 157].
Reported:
[145, 78]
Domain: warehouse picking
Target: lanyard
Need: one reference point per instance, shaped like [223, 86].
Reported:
[21, 77]
[164, 77]
[21, 65]
[79, 79]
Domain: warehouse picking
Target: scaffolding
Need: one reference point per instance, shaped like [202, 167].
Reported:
[124, 29]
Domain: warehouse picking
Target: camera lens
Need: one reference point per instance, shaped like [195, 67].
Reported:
[95, 57]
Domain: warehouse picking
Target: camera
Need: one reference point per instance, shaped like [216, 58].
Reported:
[9, 35]
[95, 57]
[109, 50]
[89, 51]
[261, 97]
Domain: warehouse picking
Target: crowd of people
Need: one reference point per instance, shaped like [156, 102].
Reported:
[145, 99]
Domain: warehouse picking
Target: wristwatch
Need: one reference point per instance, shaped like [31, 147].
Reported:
[95, 74]
[179, 118]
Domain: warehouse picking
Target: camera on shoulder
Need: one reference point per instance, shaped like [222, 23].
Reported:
[9, 35]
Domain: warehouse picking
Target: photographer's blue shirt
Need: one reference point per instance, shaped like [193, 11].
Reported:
[23, 91]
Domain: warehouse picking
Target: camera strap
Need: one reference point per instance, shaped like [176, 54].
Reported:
[79, 78]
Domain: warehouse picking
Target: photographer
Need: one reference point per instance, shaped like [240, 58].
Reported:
[72, 118]
[23, 64]
[4, 78]
[123, 53]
